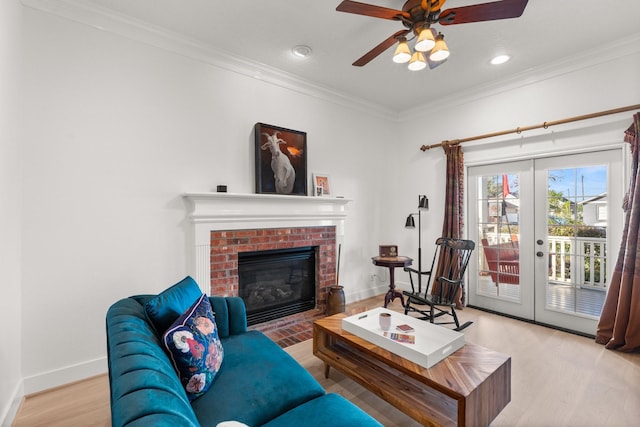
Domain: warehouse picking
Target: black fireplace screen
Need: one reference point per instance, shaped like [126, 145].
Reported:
[277, 283]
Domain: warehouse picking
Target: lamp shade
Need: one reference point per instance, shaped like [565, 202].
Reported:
[402, 53]
[423, 202]
[410, 222]
[426, 40]
[417, 62]
[440, 52]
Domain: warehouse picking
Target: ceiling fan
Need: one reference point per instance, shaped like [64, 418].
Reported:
[418, 16]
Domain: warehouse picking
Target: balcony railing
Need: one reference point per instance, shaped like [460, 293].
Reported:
[580, 261]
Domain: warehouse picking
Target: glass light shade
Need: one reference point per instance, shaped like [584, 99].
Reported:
[410, 222]
[426, 41]
[402, 53]
[417, 62]
[440, 52]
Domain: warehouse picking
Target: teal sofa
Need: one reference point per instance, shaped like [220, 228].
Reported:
[258, 383]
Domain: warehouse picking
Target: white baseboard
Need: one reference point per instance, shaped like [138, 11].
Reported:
[367, 293]
[9, 413]
[403, 286]
[375, 291]
[66, 375]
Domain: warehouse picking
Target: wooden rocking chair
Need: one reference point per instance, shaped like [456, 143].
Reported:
[444, 282]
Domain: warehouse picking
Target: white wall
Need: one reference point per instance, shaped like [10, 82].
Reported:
[116, 130]
[10, 201]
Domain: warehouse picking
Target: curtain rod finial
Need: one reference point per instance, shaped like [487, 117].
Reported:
[429, 147]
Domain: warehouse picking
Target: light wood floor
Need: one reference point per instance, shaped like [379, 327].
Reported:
[557, 379]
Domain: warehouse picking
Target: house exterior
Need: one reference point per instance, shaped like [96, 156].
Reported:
[594, 210]
[101, 132]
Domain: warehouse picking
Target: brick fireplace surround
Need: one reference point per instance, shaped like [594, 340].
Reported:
[224, 224]
[225, 246]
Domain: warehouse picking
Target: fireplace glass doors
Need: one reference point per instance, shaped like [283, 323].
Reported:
[277, 283]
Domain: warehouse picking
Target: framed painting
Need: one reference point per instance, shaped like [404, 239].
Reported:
[281, 160]
[321, 184]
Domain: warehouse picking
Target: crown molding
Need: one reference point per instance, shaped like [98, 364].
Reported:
[579, 61]
[109, 21]
[125, 26]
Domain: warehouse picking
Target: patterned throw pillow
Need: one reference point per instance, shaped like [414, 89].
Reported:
[194, 347]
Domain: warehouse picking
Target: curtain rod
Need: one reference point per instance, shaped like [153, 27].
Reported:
[525, 128]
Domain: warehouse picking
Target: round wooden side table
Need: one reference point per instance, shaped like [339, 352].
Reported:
[392, 263]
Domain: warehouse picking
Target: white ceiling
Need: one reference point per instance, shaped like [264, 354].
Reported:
[549, 32]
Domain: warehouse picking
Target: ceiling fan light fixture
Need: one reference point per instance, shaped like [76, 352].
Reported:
[402, 53]
[418, 15]
[426, 40]
[440, 52]
[417, 62]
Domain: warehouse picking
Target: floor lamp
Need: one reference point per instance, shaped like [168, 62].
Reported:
[423, 204]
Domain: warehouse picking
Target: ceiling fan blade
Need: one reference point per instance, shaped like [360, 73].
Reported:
[371, 10]
[504, 9]
[373, 53]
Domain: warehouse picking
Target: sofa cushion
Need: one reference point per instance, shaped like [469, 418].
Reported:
[194, 347]
[164, 308]
[264, 381]
[231, 315]
[328, 410]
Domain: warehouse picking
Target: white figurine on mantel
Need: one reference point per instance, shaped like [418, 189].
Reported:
[283, 172]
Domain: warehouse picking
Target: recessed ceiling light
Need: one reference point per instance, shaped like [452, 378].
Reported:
[301, 51]
[500, 59]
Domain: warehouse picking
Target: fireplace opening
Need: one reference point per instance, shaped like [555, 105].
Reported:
[277, 283]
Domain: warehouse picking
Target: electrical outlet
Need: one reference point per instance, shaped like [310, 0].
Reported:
[372, 277]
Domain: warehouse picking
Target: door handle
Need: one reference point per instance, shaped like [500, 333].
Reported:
[539, 241]
[539, 254]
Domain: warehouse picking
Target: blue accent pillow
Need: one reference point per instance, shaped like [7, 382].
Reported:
[163, 309]
[195, 348]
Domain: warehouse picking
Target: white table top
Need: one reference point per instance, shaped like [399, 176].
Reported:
[432, 342]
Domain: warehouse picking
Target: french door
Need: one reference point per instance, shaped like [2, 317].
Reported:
[547, 232]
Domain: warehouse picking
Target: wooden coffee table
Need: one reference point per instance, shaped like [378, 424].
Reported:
[468, 388]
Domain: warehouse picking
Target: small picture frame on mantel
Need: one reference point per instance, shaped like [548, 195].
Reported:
[321, 184]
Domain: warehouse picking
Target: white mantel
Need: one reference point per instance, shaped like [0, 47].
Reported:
[232, 211]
